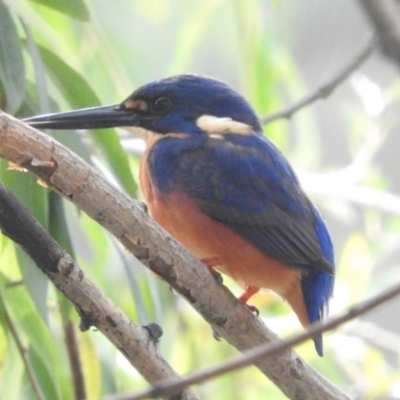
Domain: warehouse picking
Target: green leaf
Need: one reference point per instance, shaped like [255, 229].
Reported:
[47, 377]
[36, 283]
[73, 8]
[39, 70]
[12, 71]
[12, 371]
[43, 351]
[72, 85]
[35, 198]
[91, 366]
[79, 94]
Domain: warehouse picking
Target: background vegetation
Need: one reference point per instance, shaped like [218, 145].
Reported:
[59, 55]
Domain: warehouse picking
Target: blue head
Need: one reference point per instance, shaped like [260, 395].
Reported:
[168, 105]
[176, 103]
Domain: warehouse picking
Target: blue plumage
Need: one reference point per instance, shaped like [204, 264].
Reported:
[245, 182]
[207, 150]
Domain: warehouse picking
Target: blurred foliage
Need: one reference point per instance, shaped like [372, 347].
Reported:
[64, 55]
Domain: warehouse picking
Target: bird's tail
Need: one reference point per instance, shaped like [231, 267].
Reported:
[317, 289]
[295, 298]
[310, 299]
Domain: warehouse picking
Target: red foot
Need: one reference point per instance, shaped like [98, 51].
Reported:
[250, 291]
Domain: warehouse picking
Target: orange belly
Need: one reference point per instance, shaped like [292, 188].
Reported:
[207, 238]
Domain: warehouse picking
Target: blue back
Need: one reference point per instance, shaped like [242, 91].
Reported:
[246, 183]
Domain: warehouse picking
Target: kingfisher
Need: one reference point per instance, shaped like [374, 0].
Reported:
[216, 183]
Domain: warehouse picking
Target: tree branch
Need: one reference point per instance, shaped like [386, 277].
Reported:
[268, 350]
[384, 15]
[95, 309]
[325, 90]
[70, 176]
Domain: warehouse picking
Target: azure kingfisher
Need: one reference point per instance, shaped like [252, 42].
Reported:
[216, 183]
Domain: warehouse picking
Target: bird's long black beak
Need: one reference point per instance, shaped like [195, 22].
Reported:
[87, 118]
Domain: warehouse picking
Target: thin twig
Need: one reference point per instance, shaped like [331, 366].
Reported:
[375, 335]
[260, 352]
[329, 186]
[74, 358]
[325, 90]
[23, 353]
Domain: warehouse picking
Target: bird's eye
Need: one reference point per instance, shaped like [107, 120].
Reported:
[162, 104]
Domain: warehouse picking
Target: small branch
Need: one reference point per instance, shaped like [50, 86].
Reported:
[334, 186]
[384, 15]
[375, 335]
[325, 90]
[70, 176]
[267, 350]
[94, 307]
[74, 360]
[22, 351]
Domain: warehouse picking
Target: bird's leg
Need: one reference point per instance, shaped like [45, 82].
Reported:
[249, 292]
[210, 263]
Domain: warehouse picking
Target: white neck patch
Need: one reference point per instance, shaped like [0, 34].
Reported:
[147, 136]
[220, 125]
[151, 137]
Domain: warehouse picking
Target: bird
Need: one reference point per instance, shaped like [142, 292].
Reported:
[218, 184]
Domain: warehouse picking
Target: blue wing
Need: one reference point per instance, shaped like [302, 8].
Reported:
[246, 183]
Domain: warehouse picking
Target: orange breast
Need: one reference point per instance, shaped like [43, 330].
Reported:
[207, 238]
